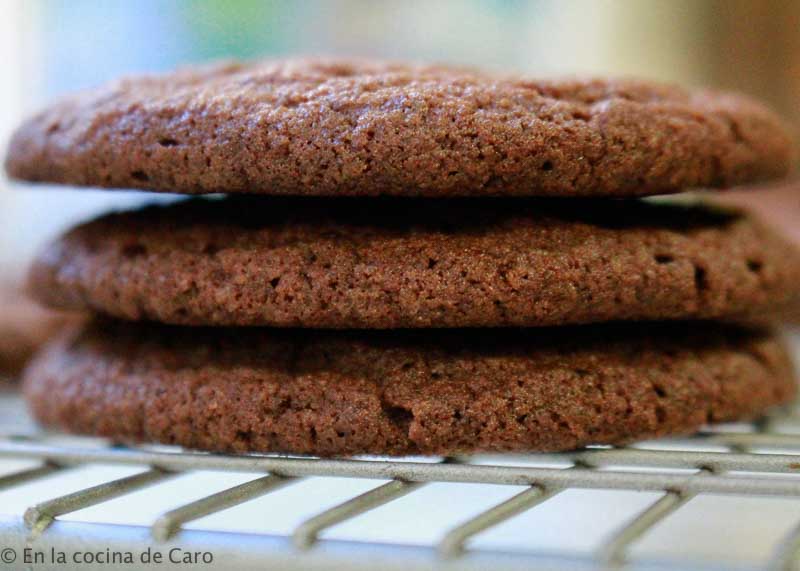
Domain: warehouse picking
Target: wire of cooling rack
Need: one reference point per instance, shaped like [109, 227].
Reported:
[601, 468]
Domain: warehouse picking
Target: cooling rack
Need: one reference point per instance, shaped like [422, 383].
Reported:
[744, 464]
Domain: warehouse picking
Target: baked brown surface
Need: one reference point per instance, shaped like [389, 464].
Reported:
[350, 127]
[403, 392]
[389, 263]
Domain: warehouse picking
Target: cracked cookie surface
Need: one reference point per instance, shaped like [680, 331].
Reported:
[350, 127]
[409, 263]
[403, 392]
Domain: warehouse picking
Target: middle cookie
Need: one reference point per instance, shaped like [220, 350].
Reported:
[392, 263]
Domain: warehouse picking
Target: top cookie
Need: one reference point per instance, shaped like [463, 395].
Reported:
[343, 127]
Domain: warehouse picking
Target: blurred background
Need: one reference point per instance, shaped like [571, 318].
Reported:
[51, 47]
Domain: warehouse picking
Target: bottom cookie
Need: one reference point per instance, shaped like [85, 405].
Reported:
[403, 392]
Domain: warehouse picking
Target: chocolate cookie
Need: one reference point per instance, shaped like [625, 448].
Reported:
[341, 127]
[392, 263]
[406, 392]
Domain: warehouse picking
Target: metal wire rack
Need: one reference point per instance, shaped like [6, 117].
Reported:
[742, 467]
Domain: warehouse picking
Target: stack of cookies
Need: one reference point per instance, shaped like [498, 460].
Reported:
[408, 260]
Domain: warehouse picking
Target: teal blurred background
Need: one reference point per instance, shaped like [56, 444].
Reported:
[80, 43]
